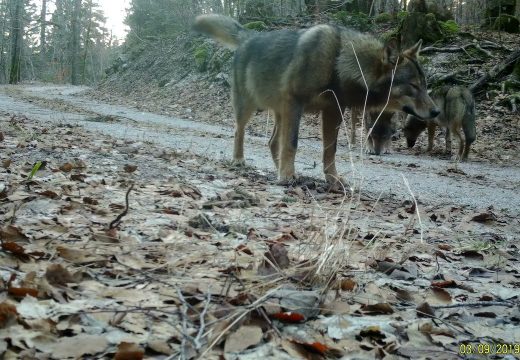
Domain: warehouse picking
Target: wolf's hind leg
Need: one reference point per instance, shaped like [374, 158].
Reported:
[448, 140]
[243, 111]
[456, 132]
[330, 124]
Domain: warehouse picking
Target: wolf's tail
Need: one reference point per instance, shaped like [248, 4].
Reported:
[221, 28]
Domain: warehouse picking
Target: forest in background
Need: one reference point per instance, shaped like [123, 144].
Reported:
[66, 41]
[60, 41]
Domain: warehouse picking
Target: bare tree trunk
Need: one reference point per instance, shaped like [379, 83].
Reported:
[3, 61]
[43, 29]
[75, 42]
[16, 44]
[87, 40]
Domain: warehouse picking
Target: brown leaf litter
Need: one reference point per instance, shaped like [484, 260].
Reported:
[205, 262]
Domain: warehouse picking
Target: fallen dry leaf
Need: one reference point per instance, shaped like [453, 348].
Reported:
[16, 250]
[129, 351]
[484, 217]
[289, 317]
[20, 293]
[130, 168]
[246, 336]
[347, 284]
[67, 167]
[56, 274]
[8, 315]
[12, 233]
[381, 308]
[425, 310]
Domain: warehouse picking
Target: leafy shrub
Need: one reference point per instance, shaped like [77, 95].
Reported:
[449, 27]
[384, 18]
[256, 25]
[401, 15]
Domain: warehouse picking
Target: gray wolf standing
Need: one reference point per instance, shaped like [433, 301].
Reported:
[292, 71]
[457, 107]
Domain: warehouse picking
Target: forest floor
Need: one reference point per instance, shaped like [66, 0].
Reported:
[137, 238]
[204, 260]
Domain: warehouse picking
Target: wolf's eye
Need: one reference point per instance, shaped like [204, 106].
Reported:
[415, 87]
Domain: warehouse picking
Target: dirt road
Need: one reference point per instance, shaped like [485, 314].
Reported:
[434, 181]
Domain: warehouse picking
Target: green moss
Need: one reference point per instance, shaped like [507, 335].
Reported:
[256, 25]
[201, 55]
[218, 61]
[358, 21]
[387, 36]
[449, 27]
[516, 70]
[384, 18]
[401, 15]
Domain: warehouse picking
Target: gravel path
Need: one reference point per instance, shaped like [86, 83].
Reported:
[434, 181]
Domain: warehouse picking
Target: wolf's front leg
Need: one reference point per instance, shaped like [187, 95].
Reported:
[274, 142]
[289, 126]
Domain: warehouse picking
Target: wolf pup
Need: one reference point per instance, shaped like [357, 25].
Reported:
[292, 71]
[380, 132]
[457, 107]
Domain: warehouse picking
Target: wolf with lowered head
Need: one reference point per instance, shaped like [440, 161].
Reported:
[322, 68]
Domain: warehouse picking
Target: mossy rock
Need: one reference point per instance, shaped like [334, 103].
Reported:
[201, 54]
[256, 25]
[507, 23]
[449, 27]
[418, 26]
[358, 21]
[219, 61]
[384, 18]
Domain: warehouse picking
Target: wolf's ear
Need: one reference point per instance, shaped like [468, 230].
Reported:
[413, 52]
[390, 54]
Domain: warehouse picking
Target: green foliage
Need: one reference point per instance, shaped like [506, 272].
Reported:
[401, 15]
[516, 70]
[359, 21]
[35, 168]
[387, 36]
[217, 62]
[154, 19]
[256, 25]
[384, 18]
[449, 27]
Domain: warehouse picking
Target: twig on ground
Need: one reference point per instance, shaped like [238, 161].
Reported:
[202, 322]
[476, 304]
[117, 220]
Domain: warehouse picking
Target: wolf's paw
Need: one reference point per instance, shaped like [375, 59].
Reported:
[238, 163]
[337, 183]
[290, 180]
